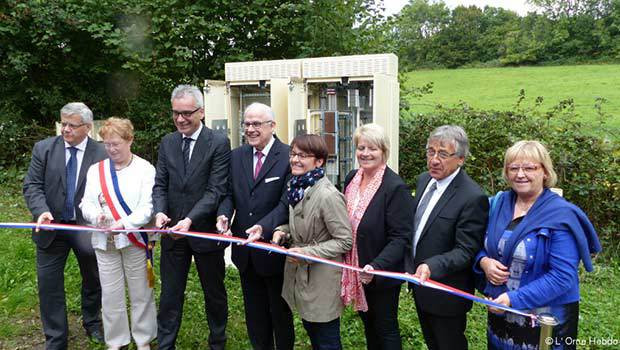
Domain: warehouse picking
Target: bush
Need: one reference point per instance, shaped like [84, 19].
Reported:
[588, 166]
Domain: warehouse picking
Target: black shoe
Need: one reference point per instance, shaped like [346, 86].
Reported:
[96, 335]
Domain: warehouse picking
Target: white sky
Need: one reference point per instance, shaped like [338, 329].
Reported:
[519, 6]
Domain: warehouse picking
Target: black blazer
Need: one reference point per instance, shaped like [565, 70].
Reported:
[44, 184]
[198, 193]
[385, 229]
[449, 242]
[262, 201]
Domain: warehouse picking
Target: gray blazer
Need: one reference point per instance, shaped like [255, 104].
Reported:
[44, 184]
[320, 225]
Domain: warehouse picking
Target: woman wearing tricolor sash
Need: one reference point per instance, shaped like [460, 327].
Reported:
[118, 196]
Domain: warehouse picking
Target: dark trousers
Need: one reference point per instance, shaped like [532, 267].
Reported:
[51, 263]
[324, 335]
[174, 267]
[443, 333]
[381, 319]
[266, 312]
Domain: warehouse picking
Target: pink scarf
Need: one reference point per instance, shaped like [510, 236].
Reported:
[352, 290]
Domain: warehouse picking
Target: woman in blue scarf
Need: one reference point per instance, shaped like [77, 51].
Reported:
[535, 240]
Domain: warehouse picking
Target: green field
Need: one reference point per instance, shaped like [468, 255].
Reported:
[20, 326]
[498, 88]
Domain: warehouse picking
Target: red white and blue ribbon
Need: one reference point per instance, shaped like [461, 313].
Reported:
[280, 250]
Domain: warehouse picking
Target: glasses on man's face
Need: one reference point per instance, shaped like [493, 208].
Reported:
[184, 114]
[443, 155]
[528, 169]
[300, 155]
[65, 125]
[255, 125]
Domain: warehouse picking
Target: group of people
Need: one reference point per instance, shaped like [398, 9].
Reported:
[521, 247]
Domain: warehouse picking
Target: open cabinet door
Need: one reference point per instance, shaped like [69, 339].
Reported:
[215, 106]
[279, 105]
[385, 111]
[297, 106]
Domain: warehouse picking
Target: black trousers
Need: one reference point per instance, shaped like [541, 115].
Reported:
[266, 312]
[174, 268]
[443, 333]
[381, 319]
[51, 263]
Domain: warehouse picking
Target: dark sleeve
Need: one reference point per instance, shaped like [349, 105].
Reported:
[278, 215]
[227, 206]
[34, 182]
[469, 232]
[216, 184]
[348, 179]
[399, 225]
[160, 188]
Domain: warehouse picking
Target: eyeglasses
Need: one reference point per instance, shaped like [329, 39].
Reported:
[513, 169]
[65, 125]
[301, 156]
[431, 153]
[184, 114]
[255, 125]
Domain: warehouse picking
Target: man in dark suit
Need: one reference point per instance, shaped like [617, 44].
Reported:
[191, 179]
[53, 189]
[449, 223]
[257, 195]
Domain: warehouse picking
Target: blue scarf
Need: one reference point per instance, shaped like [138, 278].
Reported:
[551, 212]
[299, 183]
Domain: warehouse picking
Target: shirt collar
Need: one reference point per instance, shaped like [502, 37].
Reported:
[267, 147]
[446, 181]
[80, 146]
[194, 136]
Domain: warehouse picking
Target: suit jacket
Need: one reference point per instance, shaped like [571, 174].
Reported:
[196, 194]
[262, 201]
[320, 225]
[45, 183]
[383, 233]
[449, 243]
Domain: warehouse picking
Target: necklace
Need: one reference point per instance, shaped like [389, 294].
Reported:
[524, 207]
[121, 167]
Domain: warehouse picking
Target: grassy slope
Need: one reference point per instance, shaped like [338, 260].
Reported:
[498, 88]
[21, 328]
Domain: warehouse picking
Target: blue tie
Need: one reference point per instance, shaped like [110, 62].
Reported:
[67, 213]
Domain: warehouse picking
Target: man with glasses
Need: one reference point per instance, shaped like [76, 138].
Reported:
[449, 223]
[191, 178]
[257, 195]
[53, 189]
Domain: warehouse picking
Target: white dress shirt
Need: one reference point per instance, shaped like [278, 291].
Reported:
[441, 188]
[194, 137]
[81, 147]
[264, 151]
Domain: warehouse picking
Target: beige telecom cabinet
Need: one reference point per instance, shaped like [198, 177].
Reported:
[329, 96]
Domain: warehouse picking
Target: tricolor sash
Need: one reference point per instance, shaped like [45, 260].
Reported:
[120, 209]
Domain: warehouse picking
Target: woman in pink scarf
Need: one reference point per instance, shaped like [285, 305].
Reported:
[379, 205]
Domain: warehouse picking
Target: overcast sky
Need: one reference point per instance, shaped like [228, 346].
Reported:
[519, 6]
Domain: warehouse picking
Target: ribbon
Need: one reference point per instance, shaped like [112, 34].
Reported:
[280, 250]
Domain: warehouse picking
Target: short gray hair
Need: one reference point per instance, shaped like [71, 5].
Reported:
[188, 90]
[261, 108]
[79, 108]
[453, 134]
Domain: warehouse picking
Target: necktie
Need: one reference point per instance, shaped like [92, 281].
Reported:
[71, 172]
[187, 141]
[259, 163]
[420, 211]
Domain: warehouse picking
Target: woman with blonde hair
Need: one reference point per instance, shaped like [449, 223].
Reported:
[118, 196]
[535, 240]
[379, 205]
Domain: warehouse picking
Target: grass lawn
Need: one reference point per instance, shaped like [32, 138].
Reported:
[498, 88]
[20, 327]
